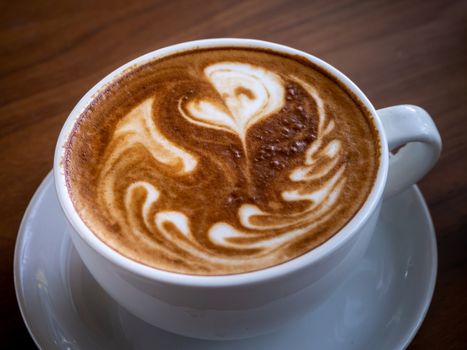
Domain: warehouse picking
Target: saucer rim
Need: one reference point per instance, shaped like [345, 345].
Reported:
[19, 246]
[431, 284]
[403, 343]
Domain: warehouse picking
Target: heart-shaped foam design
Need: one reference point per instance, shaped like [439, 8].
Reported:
[248, 93]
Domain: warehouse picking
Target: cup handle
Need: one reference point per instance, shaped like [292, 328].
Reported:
[411, 128]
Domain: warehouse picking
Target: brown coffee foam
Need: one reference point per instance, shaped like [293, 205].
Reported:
[225, 177]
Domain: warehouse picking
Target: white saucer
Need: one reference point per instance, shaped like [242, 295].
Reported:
[380, 306]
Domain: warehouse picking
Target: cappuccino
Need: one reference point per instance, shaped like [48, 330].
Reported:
[221, 161]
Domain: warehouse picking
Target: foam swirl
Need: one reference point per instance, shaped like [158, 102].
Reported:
[248, 94]
[229, 169]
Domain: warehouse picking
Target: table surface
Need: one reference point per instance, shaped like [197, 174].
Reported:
[415, 52]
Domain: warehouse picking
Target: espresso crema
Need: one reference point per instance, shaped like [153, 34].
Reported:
[221, 161]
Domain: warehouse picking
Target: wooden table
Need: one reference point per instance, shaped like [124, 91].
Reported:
[52, 52]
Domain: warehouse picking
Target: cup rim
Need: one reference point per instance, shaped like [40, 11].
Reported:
[338, 239]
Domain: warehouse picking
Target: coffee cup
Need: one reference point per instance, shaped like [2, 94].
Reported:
[239, 305]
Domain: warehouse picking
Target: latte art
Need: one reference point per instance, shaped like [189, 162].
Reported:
[248, 94]
[221, 166]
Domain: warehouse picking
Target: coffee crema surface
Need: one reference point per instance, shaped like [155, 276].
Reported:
[220, 161]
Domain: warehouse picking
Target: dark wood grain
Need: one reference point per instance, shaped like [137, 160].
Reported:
[52, 52]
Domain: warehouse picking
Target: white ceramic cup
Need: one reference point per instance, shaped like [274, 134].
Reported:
[247, 304]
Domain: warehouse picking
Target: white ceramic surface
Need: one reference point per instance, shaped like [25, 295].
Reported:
[248, 304]
[380, 305]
